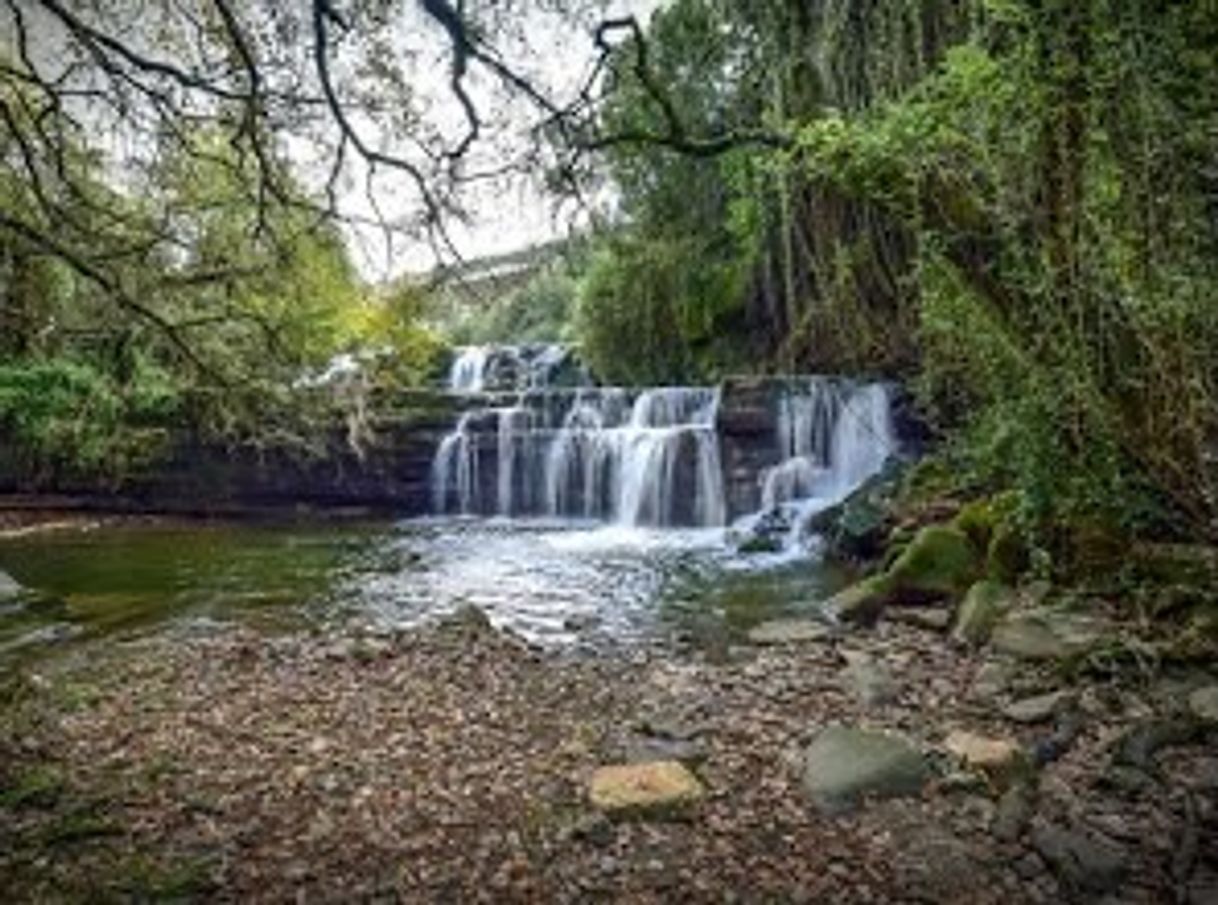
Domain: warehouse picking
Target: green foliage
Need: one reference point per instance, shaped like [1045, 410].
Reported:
[65, 415]
[674, 316]
[541, 310]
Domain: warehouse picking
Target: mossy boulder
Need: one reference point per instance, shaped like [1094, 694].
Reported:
[861, 602]
[941, 561]
[1006, 555]
[985, 603]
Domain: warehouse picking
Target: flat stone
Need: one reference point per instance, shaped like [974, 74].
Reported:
[655, 788]
[1081, 860]
[789, 631]
[1203, 703]
[844, 764]
[999, 759]
[1040, 708]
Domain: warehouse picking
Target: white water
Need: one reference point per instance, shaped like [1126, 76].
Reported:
[644, 457]
[590, 453]
[833, 436]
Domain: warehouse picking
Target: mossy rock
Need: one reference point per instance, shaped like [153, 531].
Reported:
[941, 561]
[977, 520]
[985, 603]
[1006, 556]
[861, 602]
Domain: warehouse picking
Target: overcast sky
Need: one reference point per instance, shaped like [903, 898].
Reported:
[506, 214]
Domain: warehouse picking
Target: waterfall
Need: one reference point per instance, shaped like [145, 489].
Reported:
[540, 440]
[832, 436]
[468, 372]
[650, 458]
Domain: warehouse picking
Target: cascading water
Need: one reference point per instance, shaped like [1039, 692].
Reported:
[647, 459]
[542, 441]
[832, 436]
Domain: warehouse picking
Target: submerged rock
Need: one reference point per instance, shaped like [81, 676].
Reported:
[842, 765]
[650, 789]
[789, 631]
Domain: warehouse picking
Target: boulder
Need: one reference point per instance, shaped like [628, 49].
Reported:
[940, 562]
[789, 631]
[843, 764]
[765, 534]
[861, 602]
[985, 603]
[857, 528]
[650, 789]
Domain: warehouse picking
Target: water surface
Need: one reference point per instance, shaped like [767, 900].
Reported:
[558, 583]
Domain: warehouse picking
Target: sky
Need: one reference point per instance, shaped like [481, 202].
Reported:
[506, 214]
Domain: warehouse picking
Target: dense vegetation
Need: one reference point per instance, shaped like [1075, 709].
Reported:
[1010, 203]
[1013, 204]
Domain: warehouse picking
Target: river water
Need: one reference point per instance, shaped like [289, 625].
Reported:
[558, 583]
[572, 513]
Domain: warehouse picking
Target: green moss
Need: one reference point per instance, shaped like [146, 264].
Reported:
[939, 562]
[984, 604]
[1006, 556]
[977, 521]
[862, 601]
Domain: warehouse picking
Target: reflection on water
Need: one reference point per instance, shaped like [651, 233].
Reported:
[555, 582]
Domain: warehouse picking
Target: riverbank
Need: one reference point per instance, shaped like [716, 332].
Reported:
[453, 762]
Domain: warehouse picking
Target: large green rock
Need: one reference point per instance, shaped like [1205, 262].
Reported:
[985, 603]
[941, 561]
[842, 765]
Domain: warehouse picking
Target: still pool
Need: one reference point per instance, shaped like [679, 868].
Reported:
[557, 583]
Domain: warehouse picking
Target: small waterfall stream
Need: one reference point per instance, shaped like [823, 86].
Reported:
[539, 439]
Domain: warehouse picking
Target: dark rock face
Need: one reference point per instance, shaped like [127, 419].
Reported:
[391, 471]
